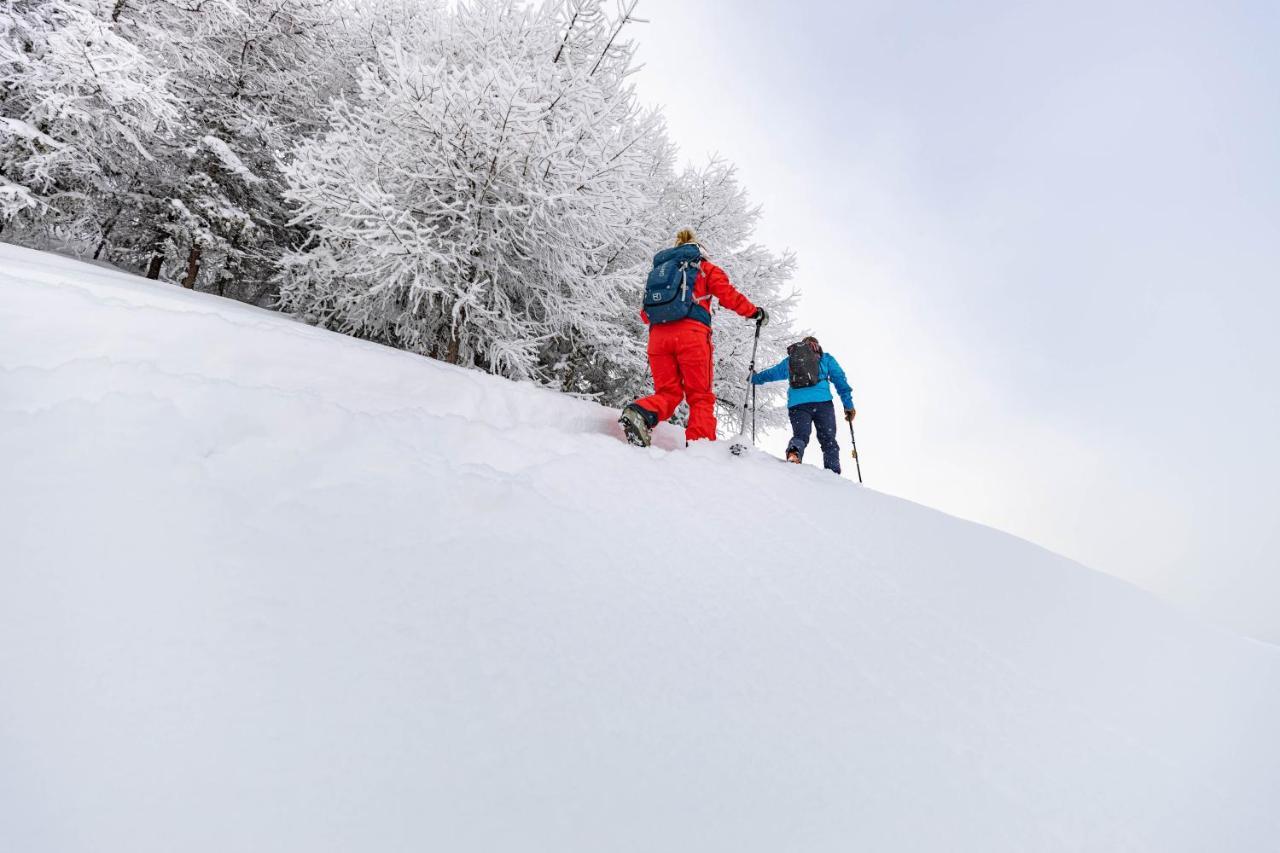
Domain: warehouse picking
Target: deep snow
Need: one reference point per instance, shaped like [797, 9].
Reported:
[265, 587]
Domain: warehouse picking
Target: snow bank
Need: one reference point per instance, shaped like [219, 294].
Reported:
[265, 587]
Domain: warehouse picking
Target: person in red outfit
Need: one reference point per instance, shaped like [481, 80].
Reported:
[680, 351]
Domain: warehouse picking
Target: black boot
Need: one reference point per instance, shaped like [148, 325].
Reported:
[638, 423]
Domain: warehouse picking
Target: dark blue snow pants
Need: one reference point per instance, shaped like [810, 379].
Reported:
[805, 416]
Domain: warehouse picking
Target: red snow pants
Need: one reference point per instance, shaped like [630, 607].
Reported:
[680, 358]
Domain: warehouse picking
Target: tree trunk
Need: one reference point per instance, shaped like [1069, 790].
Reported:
[158, 244]
[193, 267]
[454, 354]
[233, 270]
[106, 235]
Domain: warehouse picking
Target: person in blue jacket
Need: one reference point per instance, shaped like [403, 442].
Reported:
[812, 407]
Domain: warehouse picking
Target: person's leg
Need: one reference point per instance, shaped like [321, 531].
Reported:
[824, 419]
[695, 356]
[801, 427]
[667, 393]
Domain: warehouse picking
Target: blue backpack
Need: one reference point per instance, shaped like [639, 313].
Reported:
[668, 294]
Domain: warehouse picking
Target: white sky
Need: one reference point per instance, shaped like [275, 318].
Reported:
[1044, 241]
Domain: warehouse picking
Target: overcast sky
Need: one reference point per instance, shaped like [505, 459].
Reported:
[1044, 240]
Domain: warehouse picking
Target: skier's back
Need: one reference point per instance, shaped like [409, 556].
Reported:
[810, 373]
[680, 350]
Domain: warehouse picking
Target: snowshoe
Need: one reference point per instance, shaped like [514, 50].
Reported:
[635, 425]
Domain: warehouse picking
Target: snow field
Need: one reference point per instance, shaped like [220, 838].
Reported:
[266, 587]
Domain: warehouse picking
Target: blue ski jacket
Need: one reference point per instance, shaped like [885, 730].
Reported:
[829, 370]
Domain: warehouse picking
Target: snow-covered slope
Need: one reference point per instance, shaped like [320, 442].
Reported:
[267, 588]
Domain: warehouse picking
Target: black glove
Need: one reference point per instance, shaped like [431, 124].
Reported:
[849, 414]
[761, 317]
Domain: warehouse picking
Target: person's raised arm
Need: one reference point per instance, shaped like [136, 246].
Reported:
[777, 373]
[718, 286]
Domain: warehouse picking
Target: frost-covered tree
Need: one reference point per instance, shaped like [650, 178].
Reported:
[148, 132]
[251, 76]
[81, 111]
[470, 200]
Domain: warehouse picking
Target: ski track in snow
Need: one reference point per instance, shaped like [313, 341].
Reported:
[267, 587]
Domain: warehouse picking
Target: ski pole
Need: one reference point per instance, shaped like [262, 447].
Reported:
[753, 413]
[751, 387]
[855, 451]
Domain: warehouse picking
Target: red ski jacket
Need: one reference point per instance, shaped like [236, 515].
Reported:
[712, 281]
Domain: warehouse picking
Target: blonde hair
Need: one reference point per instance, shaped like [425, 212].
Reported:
[685, 235]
